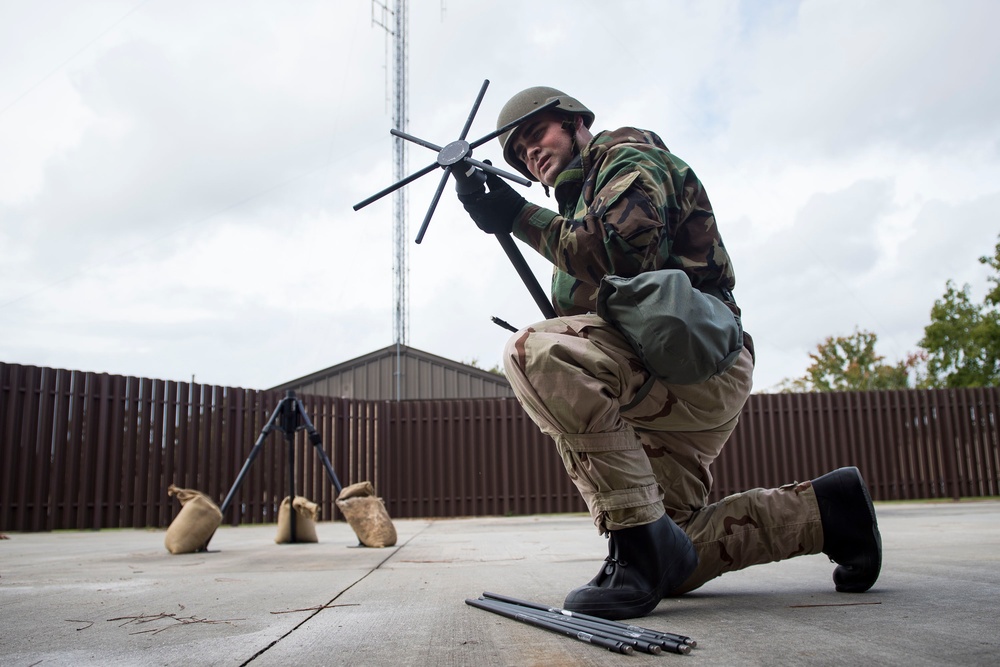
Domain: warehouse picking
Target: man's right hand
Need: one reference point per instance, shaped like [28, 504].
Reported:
[494, 211]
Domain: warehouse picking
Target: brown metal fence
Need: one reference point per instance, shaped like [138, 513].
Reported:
[90, 450]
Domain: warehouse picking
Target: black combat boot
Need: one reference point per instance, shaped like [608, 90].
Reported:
[644, 564]
[850, 530]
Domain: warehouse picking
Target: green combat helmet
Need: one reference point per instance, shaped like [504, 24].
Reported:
[526, 101]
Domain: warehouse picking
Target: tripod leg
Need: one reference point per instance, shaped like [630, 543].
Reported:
[291, 486]
[253, 454]
[317, 442]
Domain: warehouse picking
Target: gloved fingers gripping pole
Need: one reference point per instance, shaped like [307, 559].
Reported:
[456, 159]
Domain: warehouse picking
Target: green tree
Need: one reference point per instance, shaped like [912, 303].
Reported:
[497, 369]
[850, 363]
[963, 339]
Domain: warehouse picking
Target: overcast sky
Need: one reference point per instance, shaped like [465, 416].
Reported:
[177, 178]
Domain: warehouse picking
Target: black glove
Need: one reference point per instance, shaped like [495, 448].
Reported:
[494, 211]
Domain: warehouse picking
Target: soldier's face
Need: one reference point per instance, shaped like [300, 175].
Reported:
[545, 146]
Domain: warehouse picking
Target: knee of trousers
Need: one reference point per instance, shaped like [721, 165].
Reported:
[568, 378]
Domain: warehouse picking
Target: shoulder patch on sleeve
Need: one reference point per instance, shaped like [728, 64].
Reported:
[610, 193]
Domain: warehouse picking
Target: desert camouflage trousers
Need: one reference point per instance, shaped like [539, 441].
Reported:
[636, 447]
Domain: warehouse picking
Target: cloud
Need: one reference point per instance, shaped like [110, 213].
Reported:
[177, 179]
[840, 78]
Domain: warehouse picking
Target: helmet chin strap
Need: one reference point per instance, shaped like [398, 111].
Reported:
[570, 126]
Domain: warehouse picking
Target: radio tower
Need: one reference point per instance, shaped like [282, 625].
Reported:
[394, 22]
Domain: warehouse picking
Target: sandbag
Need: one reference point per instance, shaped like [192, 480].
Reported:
[193, 527]
[367, 515]
[306, 513]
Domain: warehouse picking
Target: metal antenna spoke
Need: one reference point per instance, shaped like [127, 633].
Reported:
[416, 140]
[499, 172]
[434, 203]
[475, 109]
[513, 123]
[392, 188]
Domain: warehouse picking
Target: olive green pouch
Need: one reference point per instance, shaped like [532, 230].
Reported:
[683, 335]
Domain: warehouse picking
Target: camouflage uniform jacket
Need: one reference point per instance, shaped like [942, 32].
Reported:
[626, 205]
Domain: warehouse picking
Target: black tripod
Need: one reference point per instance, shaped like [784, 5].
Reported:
[289, 417]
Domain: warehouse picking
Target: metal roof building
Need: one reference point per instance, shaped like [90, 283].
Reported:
[424, 376]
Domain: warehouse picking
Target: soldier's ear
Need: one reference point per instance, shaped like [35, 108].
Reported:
[573, 123]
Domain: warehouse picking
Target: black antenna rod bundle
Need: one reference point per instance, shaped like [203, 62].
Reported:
[458, 155]
[612, 635]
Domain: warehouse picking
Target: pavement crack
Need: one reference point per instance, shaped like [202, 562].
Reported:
[320, 608]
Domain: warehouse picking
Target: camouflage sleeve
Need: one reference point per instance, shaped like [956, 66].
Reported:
[619, 228]
[642, 208]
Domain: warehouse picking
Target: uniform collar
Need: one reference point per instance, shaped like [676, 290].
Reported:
[569, 182]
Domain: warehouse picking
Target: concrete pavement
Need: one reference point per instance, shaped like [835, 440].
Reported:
[117, 597]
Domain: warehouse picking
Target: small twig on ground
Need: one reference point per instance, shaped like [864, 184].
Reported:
[832, 604]
[187, 620]
[73, 620]
[322, 606]
[141, 618]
